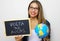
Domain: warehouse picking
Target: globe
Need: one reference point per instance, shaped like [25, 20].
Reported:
[41, 30]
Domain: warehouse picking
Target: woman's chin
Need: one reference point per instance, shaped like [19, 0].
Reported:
[32, 16]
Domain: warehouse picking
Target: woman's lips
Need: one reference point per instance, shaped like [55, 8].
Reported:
[33, 13]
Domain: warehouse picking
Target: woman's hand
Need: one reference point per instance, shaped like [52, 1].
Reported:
[19, 38]
[46, 39]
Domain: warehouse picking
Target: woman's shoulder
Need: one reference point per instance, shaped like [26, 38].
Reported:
[47, 23]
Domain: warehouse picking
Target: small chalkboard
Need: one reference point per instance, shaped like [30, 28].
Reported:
[17, 27]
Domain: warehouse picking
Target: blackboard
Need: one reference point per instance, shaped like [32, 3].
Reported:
[17, 27]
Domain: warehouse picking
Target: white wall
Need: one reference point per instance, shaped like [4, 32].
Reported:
[52, 13]
[16, 9]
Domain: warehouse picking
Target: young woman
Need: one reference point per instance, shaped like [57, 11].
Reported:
[35, 13]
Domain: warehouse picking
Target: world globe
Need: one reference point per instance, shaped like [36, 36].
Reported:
[41, 30]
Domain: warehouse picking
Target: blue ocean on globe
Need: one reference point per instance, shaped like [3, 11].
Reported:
[41, 30]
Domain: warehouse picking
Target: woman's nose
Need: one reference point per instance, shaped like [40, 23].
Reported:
[33, 9]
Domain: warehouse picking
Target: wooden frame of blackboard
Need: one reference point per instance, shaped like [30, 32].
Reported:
[18, 34]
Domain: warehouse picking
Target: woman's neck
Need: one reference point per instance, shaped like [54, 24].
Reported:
[33, 19]
[34, 22]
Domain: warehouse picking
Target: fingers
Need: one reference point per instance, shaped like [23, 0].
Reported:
[46, 39]
[19, 38]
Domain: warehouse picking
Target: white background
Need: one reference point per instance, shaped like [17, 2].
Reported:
[17, 9]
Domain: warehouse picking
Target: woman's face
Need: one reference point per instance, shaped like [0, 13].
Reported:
[33, 10]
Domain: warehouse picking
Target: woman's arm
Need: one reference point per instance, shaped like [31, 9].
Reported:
[48, 37]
